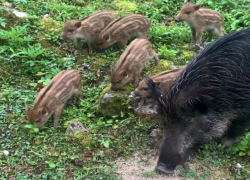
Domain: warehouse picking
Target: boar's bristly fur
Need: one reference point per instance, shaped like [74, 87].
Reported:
[210, 99]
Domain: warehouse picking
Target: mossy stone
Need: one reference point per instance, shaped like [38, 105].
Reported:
[11, 19]
[118, 101]
[163, 65]
[125, 6]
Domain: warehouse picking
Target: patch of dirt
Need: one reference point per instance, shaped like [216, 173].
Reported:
[141, 166]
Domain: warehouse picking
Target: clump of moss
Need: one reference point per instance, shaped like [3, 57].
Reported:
[85, 139]
[118, 103]
[125, 6]
[163, 65]
[185, 54]
[10, 19]
[48, 29]
[50, 26]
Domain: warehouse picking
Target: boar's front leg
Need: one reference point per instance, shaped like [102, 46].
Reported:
[237, 129]
[57, 115]
[193, 31]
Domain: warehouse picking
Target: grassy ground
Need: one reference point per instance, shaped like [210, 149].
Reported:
[31, 52]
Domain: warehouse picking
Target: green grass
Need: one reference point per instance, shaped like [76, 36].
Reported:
[31, 52]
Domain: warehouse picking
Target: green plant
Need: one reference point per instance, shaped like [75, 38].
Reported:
[164, 52]
[242, 148]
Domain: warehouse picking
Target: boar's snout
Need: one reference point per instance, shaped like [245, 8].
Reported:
[163, 168]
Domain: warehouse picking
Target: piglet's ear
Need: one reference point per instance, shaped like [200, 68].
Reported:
[78, 24]
[43, 111]
[193, 107]
[197, 7]
[157, 83]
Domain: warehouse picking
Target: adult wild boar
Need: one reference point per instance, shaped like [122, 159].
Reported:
[209, 100]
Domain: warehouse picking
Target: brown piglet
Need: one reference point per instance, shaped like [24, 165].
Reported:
[51, 99]
[86, 28]
[131, 63]
[201, 19]
[163, 80]
[120, 31]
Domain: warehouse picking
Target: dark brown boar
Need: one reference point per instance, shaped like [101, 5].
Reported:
[209, 100]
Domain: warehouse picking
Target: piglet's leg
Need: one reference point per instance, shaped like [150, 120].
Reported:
[156, 59]
[193, 31]
[78, 43]
[199, 34]
[137, 77]
[57, 115]
[143, 35]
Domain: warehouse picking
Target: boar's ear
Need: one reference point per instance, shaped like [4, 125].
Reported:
[65, 19]
[193, 107]
[43, 111]
[197, 7]
[124, 74]
[78, 24]
[185, 1]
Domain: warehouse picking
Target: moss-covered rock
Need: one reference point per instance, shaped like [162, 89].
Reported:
[115, 102]
[125, 6]
[163, 65]
[185, 54]
[10, 19]
[77, 134]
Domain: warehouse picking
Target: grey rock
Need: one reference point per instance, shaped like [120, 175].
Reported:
[144, 106]
[75, 126]
[107, 97]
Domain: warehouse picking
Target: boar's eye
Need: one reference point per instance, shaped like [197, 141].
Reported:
[144, 89]
[188, 12]
[118, 81]
[37, 121]
[71, 30]
[99, 43]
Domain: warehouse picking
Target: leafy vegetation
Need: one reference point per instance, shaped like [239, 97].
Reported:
[31, 53]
